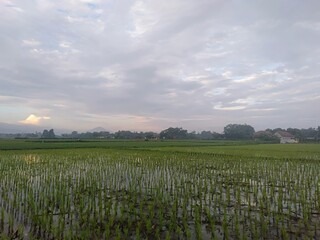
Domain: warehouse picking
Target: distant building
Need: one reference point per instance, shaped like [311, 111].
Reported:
[286, 137]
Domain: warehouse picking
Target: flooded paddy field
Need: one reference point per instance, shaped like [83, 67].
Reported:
[172, 191]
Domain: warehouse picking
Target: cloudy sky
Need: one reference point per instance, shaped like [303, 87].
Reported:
[149, 65]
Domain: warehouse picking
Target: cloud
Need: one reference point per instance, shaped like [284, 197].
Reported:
[199, 66]
[30, 42]
[143, 18]
[34, 120]
[219, 106]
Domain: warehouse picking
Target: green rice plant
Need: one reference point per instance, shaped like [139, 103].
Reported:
[70, 193]
[2, 219]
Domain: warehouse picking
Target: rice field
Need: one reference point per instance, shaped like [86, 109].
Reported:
[150, 191]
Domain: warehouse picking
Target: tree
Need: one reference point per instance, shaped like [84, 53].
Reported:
[174, 133]
[267, 136]
[150, 135]
[238, 131]
[276, 130]
[206, 135]
[74, 134]
[124, 135]
[309, 134]
[48, 134]
[295, 132]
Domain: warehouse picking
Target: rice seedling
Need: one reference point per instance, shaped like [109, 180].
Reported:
[140, 194]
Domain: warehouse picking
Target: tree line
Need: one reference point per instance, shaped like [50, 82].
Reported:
[230, 132]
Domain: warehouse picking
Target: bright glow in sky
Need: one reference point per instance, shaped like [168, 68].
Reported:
[149, 65]
[34, 120]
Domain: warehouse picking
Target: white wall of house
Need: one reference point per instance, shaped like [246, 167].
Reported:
[288, 140]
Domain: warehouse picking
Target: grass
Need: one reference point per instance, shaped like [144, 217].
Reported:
[159, 190]
[296, 151]
[71, 144]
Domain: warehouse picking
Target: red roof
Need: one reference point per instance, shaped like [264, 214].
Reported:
[284, 134]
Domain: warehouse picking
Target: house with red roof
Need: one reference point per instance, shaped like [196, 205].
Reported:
[286, 137]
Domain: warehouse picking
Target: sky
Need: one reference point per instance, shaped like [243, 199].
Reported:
[147, 65]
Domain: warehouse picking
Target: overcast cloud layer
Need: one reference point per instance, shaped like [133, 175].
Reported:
[149, 65]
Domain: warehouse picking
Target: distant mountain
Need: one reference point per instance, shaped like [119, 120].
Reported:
[7, 128]
[98, 129]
